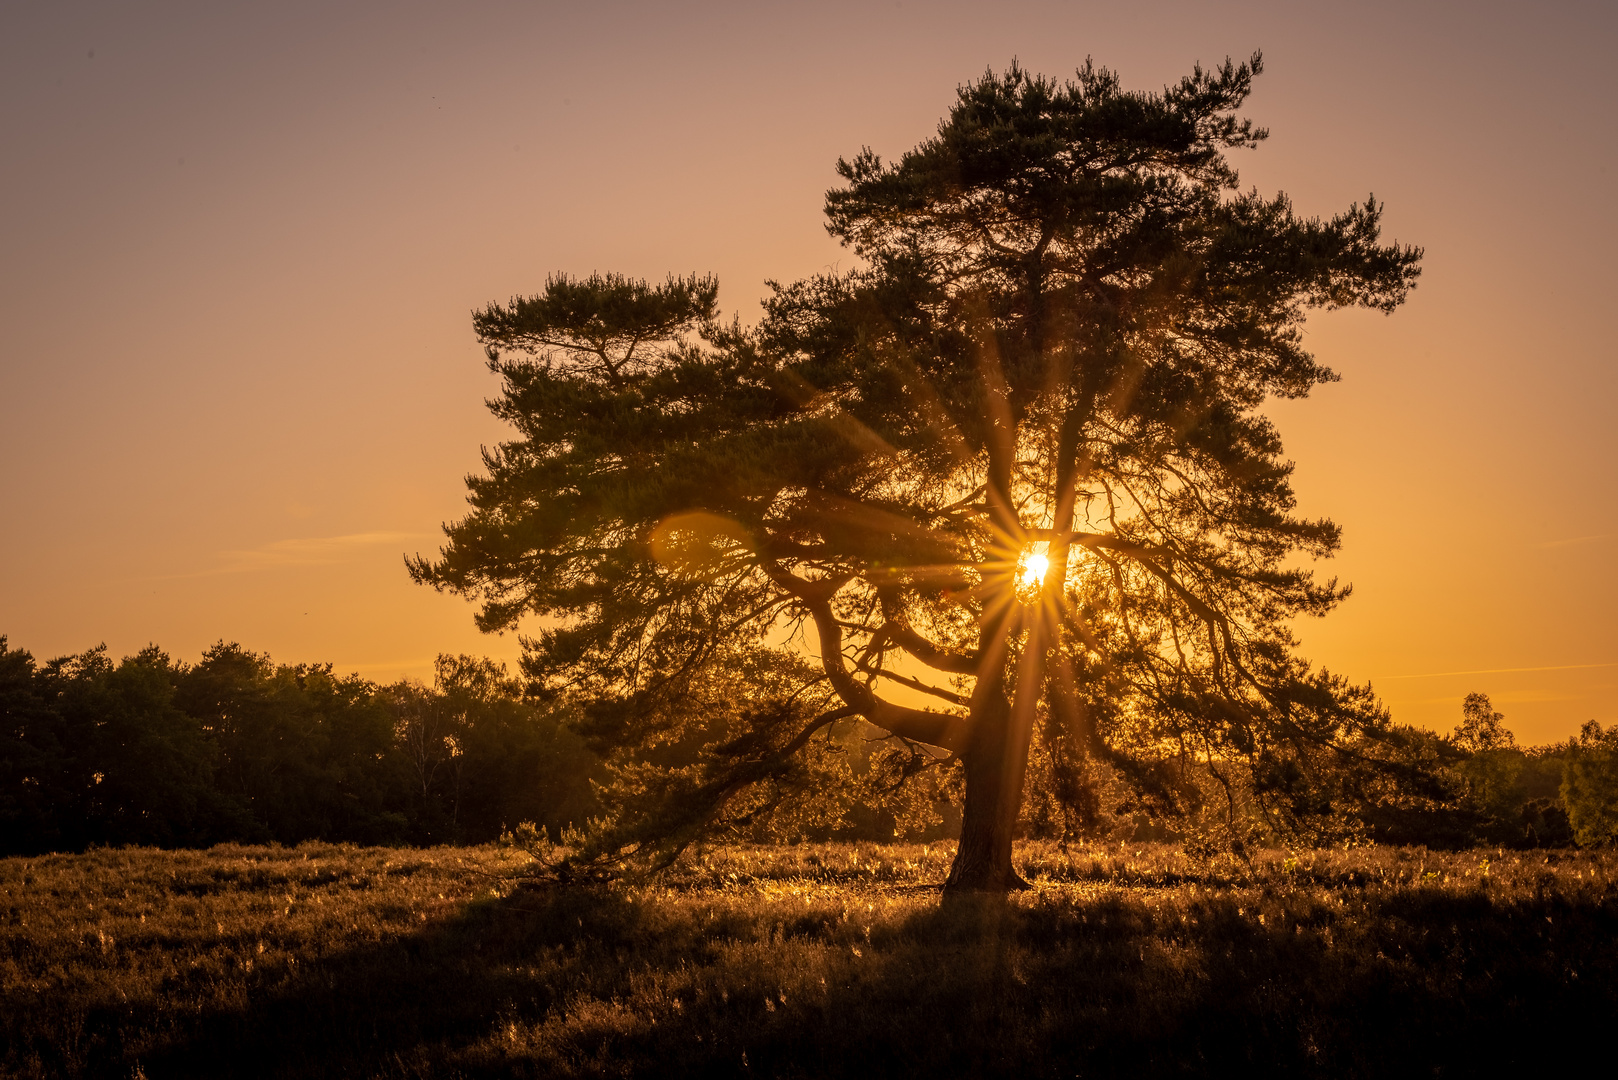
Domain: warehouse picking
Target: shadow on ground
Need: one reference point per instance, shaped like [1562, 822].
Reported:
[588, 981]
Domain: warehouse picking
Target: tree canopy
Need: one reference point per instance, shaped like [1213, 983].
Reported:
[1008, 481]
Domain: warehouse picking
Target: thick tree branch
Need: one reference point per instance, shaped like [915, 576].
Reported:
[953, 661]
[802, 737]
[914, 684]
[936, 729]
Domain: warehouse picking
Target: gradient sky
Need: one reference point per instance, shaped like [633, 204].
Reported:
[239, 245]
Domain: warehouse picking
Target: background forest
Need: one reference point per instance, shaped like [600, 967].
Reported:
[235, 748]
[152, 751]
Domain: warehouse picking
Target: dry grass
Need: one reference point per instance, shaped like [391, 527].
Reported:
[828, 960]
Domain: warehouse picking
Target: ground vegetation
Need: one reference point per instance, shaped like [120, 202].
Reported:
[806, 960]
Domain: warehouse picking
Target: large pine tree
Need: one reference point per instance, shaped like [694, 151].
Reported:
[1014, 464]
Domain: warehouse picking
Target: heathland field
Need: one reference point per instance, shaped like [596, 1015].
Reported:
[823, 960]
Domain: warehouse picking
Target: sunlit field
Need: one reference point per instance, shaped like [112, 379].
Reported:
[816, 960]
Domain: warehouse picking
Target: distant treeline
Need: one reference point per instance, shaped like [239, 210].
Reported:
[1538, 796]
[153, 751]
[235, 748]
[1471, 787]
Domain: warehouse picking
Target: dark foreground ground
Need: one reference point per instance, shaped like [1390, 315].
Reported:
[806, 961]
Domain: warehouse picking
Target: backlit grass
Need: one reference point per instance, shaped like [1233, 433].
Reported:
[822, 960]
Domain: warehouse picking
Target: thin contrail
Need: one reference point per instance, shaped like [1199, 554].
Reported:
[1577, 540]
[1496, 671]
[304, 551]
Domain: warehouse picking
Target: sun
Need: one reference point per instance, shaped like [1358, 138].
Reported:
[1033, 570]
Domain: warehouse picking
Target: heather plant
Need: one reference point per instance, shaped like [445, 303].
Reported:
[805, 960]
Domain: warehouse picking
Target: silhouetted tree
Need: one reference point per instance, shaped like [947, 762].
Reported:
[515, 759]
[1013, 464]
[102, 754]
[1590, 785]
[299, 746]
[1481, 728]
[1512, 793]
[151, 767]
[41, 805]
[426, 732]
[1490, 764]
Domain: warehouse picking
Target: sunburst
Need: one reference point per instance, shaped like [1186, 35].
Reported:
[1033, 570]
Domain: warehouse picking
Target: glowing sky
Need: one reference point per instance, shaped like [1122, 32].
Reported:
[239, 245]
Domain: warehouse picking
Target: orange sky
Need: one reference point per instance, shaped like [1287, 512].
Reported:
[239, 248]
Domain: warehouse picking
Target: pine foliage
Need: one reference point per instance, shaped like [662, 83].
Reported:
[1065, 320]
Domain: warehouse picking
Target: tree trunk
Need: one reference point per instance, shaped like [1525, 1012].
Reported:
[996, 761]
[996, 753]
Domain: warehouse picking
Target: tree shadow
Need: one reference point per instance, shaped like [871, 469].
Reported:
[393, 1007]
[1429, 983]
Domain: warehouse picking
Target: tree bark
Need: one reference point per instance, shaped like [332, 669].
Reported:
[993, 797]
[996, 761]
